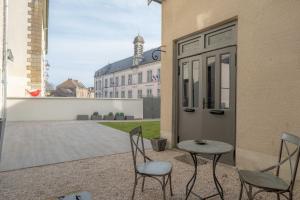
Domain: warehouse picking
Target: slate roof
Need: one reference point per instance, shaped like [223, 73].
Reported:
[63, 92]
[70, 83]
[127, 63]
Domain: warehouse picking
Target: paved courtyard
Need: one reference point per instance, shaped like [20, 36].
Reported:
[28, 144]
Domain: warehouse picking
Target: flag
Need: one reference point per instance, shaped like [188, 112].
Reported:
[153, 78]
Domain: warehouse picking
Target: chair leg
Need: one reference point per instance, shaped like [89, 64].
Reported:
[170, 179]
[134, 187]
[250, 193]
[164, 187]
[278, 196]
[291, 196]
[143, 184]
[241, 192]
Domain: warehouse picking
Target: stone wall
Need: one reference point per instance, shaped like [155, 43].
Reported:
[35, 50]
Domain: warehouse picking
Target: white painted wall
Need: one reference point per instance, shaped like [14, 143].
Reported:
[1, 56]
[38, 109]
[17, 42]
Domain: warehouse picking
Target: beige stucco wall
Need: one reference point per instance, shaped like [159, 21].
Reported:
[268, 68]
[82, 92]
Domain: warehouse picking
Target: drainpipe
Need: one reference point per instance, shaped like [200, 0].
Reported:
[3, 78]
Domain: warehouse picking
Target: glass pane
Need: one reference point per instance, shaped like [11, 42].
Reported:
[185, 85]
[225, 81]
[195, 68]
[211, 82]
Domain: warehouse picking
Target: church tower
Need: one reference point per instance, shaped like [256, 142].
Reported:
[138, 49]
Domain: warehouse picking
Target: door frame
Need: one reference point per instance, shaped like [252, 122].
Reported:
[175, 108]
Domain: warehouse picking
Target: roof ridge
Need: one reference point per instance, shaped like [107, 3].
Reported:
[113, 67]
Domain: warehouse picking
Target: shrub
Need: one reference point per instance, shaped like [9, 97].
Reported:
[110, 114]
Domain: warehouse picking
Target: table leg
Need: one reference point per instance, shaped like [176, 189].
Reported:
[191, 183]
[217, 183]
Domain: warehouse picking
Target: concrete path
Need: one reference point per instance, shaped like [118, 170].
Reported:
[28, 144]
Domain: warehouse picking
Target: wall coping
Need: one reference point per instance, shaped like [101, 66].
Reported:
[71, 98]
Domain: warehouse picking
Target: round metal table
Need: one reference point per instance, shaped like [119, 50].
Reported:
[211, 147]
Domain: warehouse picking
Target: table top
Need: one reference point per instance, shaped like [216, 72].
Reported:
[75, 196]
[211, 147]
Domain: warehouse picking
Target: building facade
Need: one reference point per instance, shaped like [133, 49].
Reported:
[27, 26]
[134, 77]
[73, 88]
[259, 40]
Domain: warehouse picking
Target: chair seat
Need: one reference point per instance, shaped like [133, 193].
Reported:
[155, 168]
[263, 180]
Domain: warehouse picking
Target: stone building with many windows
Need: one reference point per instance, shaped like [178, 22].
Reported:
[134, 77]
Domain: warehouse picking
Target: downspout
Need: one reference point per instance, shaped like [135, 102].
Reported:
[3, 78]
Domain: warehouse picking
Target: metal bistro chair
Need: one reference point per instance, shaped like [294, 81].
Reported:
[267, 182]
[148, 168]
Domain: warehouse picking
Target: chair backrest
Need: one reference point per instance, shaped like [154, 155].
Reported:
[137, 144]
[288, 140]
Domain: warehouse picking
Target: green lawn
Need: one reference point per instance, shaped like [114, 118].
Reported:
[151, 129]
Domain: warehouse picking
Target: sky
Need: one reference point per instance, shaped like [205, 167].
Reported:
[85, 35]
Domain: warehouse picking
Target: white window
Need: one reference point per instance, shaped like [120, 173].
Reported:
[129, 94]
[106, 83]
[140, 77]
[99, 86]
[117, 82]
[140, 94]
[111, 82]
[123, 94]
[149, 92]
[111, 94]
[130, 79]
[123, 81]
[158, 75]
[116, 94]
[149, 76]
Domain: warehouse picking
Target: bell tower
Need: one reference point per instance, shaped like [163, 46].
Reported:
[138, 49]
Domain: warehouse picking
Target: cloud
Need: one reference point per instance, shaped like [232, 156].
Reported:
[87, 34]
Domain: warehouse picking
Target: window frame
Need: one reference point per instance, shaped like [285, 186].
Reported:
[140, 77]
[129, 81]
[149, 76]
[123, 81]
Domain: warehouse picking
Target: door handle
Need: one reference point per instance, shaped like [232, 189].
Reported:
[189, 110]
[217, 112]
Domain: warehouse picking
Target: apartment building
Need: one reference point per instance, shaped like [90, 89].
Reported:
[27, 26]
[133, 77]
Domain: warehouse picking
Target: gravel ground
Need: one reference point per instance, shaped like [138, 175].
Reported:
[111, 177]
